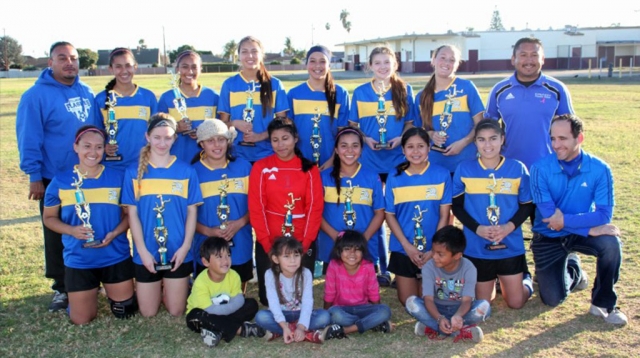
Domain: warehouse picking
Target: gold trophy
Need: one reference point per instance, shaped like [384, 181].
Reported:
[180, 103]
[381, 118]
[493, 212]
[419, 240]
[316, 139]
[248, 112]
[83, 211]
[349, 215]
[111, 123]
[446, 117]
[287, 226]
[162, 235]
[223, 208]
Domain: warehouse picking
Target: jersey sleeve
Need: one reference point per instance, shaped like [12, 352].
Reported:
[446, 195]
[565, 106]
[458, 185]
[163, 104]
[524, 192]
[342, 116]
[378, 196]
[473, 100]
[128, 193]
[389, 198]
[282, 104]
[52, 195]
[491, 111]
[290, 99]
[30, 134]
[539, 187]
[354, 115]
[195, 195]
[224, 101]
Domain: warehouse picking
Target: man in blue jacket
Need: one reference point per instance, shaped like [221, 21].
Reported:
[49, 114]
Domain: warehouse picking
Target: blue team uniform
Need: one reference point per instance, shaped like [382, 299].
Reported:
[364, 105]
[132, 114]
[210, 179]
[233, 100]
[178, 183]
[203, 106]
[303, 101]
[527, 113]
[367, 198]
[472, 179]
[429, 189]
[466, 105]
[103, 195]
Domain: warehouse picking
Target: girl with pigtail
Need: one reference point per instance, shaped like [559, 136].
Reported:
[133, 107]
[161, 191]
[319, 98]
[253, 87]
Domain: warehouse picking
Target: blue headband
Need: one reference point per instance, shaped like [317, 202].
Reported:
[319, 48]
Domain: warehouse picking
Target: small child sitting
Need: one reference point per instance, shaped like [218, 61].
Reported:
[448, 289]
[216, 306]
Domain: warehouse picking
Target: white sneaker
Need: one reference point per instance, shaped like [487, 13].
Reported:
[613, 317]
[584, 279]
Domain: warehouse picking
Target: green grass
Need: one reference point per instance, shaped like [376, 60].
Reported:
[610, 108]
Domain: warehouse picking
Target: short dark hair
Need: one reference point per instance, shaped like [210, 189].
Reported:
[452, 238]
[58, 44]
[213, 245]
[574, 121]
[526, 40]
[350, 239]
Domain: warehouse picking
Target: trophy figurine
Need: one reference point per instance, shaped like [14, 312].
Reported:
[419, 240]
[111, 124]
[180, 103]
[493, 212]
[248, 112]
[349, 215]
[316, 139]
[446, 117]
[162, 235]
[287, 226]
[83, 211]
[381, 118]
[223, 208]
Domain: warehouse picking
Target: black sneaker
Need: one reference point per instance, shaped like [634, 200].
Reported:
[384, 327]
[333, 331]
[252, 330]
[210, 338]
[59, 302]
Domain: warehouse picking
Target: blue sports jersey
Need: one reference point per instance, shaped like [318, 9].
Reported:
[429, 189]
[590, 187]
[203, 106]
[364, 105]
[367, 198]
[466, 105]
[233, 99]
[103, 195]
[527, 113]
[512, 189]
[303, 102]
[210, 180]
[178, 183]
[132, 114]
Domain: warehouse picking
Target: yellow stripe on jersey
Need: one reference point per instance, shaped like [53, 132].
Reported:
[459, 105]
[240, 98]
[162, 186]
[363, 196]
[130, 112]
[302, 106]
[236, 186]
[370, 109]
[479, 186]
[196, 113]
[407, 194]
[97, 196]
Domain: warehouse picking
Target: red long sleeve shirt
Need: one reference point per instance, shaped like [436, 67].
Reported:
[270, 182]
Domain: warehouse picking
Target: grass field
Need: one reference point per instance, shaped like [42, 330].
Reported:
[610, 108]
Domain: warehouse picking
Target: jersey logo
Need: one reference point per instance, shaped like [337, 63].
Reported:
[208, 113]
[506, 187]
[176, 187]
[543, 95]
[432, 193]
[584, 184]
[237, 184]
[364, 196]
[510, 96]
[113, 196]
[142, 113]
[79, 107]
[272, 177]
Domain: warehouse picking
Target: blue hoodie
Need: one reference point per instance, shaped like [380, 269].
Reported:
[49, 114]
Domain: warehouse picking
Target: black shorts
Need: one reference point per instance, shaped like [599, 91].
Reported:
[77, 280]
[143, 275]
[401, 265]
[245, 270]
[489, 270]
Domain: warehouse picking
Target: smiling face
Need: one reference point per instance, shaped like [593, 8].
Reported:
[161, 139]
[289, 262]
[351, 257]
[218, 264]
[215, 147]
[64, 63]
[445, 62]
[383, 66]
[489, 142]
[443, 258]
[250, 55]
[283, 143]
[528, 60]
[348, 149]
[416, 150]
[90, 148]
[123, 68]
[566, 146]
[318, 66]
[190, 67]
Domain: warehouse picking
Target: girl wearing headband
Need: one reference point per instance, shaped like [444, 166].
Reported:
[319, 96]
[201, 102]
[161, 192]
[109, 262]
[133, 107]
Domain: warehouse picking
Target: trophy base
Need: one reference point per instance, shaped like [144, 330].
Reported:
[165, 267]
[382, 145]
[438, 148]
[495, 247]
[92, 243]
[113, 158]
[247, 144]
[189, 132]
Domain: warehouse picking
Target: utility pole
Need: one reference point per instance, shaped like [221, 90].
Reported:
[164, 49]
[5, 57]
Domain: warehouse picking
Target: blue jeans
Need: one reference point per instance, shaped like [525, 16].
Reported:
[557, 276]
[364, 317]
[319, 319]
[479, 312]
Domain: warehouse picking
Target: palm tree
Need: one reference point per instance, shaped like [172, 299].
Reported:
[288, 47]
[344, 14]
[230, 50]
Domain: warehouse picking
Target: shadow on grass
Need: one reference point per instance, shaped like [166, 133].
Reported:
[27, 220]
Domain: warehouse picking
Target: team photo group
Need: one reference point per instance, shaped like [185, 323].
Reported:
[180, 201]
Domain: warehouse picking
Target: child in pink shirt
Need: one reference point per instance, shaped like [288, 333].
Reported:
[352, 293]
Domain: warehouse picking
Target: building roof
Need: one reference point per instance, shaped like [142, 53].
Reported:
[145, 56]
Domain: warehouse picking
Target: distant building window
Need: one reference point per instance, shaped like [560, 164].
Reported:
[409, 56]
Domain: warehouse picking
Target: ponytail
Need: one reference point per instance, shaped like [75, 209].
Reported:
[335, 175]
[266, 94]
[330, 94]
[426, 103]
[399, 96]
[107, 89]
[145, 153]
